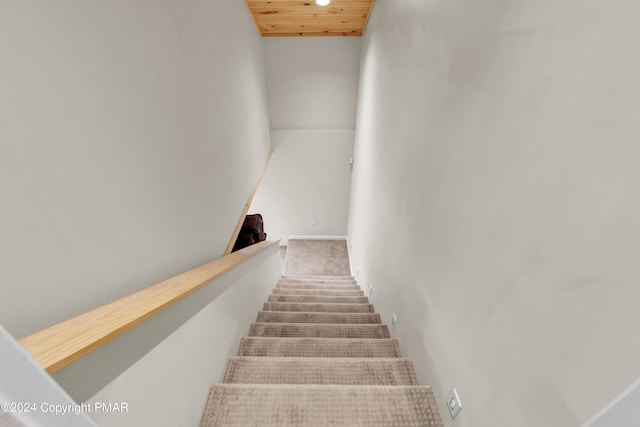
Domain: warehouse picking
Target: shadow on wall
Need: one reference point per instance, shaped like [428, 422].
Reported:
[283, 257]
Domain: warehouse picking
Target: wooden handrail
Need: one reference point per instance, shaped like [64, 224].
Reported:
[234, 236]
[62, 344]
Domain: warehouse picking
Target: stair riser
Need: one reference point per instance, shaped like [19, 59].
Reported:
[326, 308]
[321, 371]
[316, 292]
[318, 347]
[318, 299]
[310, 277]
[299, 317]
[319, 282]
[319, 287]
[320, 330]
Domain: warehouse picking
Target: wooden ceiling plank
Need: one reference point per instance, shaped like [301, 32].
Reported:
[294, 13]
[307, 3]
[305, 18]
[311, 34]
[312, 22]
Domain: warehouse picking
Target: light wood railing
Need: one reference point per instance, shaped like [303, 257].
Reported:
[62, 344]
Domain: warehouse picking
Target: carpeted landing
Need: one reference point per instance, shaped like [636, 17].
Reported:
[317, 257]
[318, 355]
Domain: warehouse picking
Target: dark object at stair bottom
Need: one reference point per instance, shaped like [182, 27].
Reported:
[252, 231]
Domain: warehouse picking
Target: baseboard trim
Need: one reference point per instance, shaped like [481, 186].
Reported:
[296, 237]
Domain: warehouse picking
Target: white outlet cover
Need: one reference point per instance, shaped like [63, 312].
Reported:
[394, 321]
[370, 289]
[453, 403]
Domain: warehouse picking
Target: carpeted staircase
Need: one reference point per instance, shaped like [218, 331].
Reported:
[318, 355]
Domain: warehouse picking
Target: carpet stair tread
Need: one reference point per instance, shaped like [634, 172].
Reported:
[317, 317]
[318, 307]
[325, 287]
[318, 330]
[313, 277]
[318, 347]
[323, 370]
[320, 281]
[232, 405]
[318, 292]
[319, 299]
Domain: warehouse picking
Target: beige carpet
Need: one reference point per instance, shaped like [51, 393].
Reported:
[326, 299]
[340, 280]
[317, 292]
[293, 317]
[318, 355]
[306, 280]
[279, 405]
[317, 257]
[320, 370]
[309, 306]
[318, 347]
[318, 330]
[326, 287]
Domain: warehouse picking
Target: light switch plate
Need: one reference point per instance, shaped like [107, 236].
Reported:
[370, 289]
[394, 322]
[453, 403]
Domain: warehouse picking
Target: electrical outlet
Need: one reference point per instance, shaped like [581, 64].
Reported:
[370, 289]
[453, 403]
[394, 322]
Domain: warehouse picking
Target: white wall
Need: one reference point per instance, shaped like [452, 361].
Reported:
[623, 411]
[131, 134]
[170, 384]
[33, 398]
[312, 84]
[308, 180]
[495, 204]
